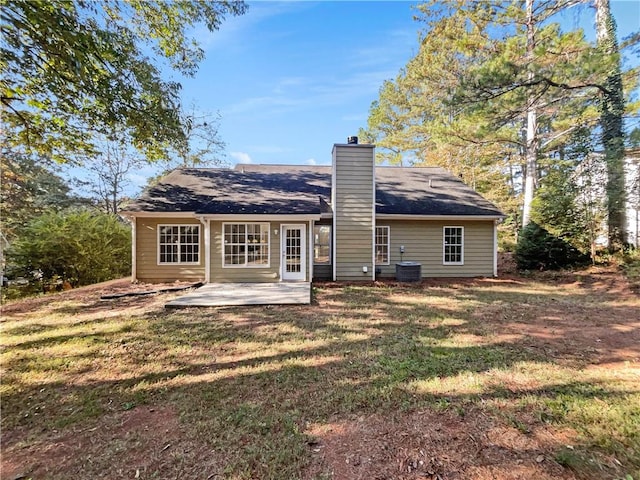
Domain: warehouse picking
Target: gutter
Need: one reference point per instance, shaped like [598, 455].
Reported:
[393, 216]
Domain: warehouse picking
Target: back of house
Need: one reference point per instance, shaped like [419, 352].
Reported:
[351, 221]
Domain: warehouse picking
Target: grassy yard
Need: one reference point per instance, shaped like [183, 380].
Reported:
[507, 378]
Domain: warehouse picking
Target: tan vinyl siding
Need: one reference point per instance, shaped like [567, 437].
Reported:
[353, 210]
[251, 274]
[422, 242]
[147, 268]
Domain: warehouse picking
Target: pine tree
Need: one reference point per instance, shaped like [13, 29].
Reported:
[494, 89]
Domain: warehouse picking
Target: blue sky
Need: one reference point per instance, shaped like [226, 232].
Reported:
[290, 79]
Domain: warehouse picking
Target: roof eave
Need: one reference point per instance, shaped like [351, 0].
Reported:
[225, 216]
[403, 216]
[133, 213]
[262, 217]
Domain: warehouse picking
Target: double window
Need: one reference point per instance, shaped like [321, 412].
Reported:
[178, 244]
[453, 245]
[246, 244]
[382, 246]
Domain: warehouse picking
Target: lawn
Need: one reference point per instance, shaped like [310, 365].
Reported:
[505, 378]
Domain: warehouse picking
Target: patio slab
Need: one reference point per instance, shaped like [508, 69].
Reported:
[231, 294]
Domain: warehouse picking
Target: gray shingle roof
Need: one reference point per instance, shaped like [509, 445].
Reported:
[427, 191]
[292, 189]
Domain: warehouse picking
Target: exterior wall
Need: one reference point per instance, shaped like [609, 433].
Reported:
[353, 203]
[632, 167]
[250, 274]
[422, 240]
[147, 268]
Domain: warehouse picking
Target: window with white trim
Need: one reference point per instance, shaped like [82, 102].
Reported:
[322, 244]
[246, 244]
[453, 245]
[382, 246]
[178, 244]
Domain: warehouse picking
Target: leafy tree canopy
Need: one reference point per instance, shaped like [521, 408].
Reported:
[72, 69]
[28, 188]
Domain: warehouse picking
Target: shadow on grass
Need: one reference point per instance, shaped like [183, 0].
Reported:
[359, 354]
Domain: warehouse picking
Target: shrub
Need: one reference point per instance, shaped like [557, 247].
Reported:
[537, 249]
[80, 247]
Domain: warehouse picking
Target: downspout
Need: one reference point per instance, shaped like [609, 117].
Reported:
[132, 220]
[495, 247]
[310, 251]
[134, 241]
[373, 218]
[206, 223]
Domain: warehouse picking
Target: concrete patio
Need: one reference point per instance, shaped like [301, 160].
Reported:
[232, 294]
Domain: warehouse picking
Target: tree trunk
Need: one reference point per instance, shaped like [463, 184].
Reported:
[531, 150]
[611, 111]
[531, 159]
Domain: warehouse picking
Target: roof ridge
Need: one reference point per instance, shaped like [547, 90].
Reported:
[281, 165]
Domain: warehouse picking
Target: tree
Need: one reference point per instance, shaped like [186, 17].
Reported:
[634, 138]
[107, 178]
[387, 122]
[81, 247]
[538, 249]
[532, 140]
[486, 73]
[74, 69]
[29, 187]
[495, 90]
[611, 113]
[202, 145]
[570, 203]
[538, 76]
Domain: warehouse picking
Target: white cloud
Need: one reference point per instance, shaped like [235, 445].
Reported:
[269, 149]
[234, 31]
[306, 92]
[264, 103]
[311, 161]
[241, 157]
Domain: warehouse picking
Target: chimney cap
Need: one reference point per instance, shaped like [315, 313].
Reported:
[353, 140]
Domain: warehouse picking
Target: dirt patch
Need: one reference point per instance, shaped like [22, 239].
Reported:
[143, 439]
[89, 296]
[602, 328]
[428, 445]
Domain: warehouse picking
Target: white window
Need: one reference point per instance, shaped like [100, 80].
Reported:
[246, 244]
[322, 244]
[453, 245]
[382, 245]
[178, 244]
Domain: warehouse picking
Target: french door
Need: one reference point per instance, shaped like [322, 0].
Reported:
[293, 248]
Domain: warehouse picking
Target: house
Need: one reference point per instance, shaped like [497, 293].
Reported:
[351, 221]
[632, 177]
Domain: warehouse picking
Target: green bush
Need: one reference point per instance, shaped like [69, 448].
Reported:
[80, 247]
[537, 249]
